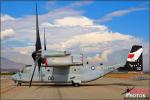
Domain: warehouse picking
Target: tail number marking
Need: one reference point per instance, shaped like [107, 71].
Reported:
[50, 77]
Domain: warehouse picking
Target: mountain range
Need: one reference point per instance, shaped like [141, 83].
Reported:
[10, 66]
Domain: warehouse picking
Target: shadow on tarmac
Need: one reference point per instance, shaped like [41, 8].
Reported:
[39, 86]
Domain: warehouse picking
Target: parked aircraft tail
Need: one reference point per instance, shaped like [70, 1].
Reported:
[134, 60]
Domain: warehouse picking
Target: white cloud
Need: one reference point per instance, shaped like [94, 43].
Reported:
[26, 24]
[52, 5]
[24, 50]
[46, 24]
[5, 17]
[74, 21]
[118, 13]
[63, 35]
[64, 32]
[7, 33]
[78, 4]
[94, 38]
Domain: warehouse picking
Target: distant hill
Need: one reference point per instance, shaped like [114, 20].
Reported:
[10, 70]
[10, 66]
[17, 57]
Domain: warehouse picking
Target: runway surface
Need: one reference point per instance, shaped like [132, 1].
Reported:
[103, 88]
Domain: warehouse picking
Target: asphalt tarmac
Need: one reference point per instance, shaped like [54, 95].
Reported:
[103, 88]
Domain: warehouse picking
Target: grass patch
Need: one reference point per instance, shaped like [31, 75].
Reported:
[7, 73]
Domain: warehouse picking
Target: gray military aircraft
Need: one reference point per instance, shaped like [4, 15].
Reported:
[66, 67]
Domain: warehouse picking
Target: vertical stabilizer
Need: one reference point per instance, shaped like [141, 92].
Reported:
[134, 60]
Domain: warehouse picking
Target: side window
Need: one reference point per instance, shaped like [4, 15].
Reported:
[101, 64]
[26, 69]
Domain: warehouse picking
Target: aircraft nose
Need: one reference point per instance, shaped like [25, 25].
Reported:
[13, 77]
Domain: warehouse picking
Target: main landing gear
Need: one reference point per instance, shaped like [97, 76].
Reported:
[75, 84]
[19, 84]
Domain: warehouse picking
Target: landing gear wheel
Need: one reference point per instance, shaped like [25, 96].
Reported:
[76, 84]
[19, 84]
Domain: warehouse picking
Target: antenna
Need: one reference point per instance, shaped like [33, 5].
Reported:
[82, 57]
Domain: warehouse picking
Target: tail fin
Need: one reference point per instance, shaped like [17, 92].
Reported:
[134, 60]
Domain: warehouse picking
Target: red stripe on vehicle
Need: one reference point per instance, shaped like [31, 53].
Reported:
[130, 55]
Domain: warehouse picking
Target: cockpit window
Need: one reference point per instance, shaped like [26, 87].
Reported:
[26, 69]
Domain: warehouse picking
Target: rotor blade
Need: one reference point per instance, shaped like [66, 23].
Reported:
[124, 93]
[39, 67]
[44, 40]
[36, 62]
[38, 41]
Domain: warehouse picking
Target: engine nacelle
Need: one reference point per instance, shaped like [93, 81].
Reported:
[46, 54]
[63, 61]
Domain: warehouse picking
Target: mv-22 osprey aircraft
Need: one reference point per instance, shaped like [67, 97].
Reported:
[66, 67]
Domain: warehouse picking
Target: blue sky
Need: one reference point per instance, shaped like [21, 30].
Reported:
[134, 23]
